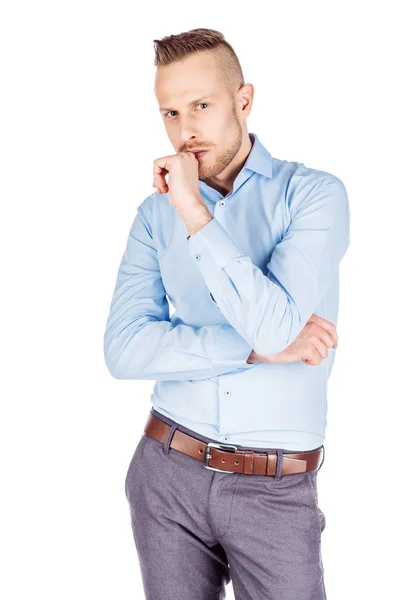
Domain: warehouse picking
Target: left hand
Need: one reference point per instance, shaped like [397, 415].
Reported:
[183, 174]
[311, 345]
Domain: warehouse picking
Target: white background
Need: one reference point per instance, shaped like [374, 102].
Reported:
[80, 129]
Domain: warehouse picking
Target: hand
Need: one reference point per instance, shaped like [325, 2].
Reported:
[310, 346]
[183, 179]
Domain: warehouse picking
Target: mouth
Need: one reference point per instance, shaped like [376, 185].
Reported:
[198, 153]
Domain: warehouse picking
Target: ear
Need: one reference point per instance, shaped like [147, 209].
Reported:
[246, 95]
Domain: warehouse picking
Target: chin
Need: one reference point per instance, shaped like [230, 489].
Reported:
[203, 174]
[205, 171]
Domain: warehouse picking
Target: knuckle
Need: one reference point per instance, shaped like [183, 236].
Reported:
[312, 327]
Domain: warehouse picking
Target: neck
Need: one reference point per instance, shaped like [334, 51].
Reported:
[223, 182]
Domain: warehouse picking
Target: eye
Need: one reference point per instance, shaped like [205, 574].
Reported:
[174, 111]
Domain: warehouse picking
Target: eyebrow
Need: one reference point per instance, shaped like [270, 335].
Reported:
[193, 102]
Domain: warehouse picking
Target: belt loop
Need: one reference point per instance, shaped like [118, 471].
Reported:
[279, 459]
[169, 438]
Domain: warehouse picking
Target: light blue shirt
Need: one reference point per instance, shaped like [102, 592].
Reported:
[249, 279]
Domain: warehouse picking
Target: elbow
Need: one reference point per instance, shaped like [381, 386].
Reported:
[122, 354]
[124, 358]
[269, 347]
[111, 365]
[113, 372]
[120, 363]
[113, 359]
[272, 339]
[268, 344]
[119, 370]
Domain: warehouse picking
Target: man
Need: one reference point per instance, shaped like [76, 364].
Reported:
[247, 248]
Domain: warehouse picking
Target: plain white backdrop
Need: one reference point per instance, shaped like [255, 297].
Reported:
[80, 129]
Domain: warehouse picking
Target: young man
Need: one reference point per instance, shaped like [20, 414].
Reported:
[223, 483]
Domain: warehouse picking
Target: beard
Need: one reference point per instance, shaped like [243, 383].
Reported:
[224, 158]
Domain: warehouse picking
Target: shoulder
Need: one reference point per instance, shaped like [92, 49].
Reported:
[302, 184]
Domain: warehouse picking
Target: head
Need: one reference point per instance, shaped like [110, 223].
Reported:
[202, 97]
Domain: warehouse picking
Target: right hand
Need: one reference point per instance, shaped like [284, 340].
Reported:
[310, 346]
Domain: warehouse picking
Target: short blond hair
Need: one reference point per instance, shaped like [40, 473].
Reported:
[173, 48]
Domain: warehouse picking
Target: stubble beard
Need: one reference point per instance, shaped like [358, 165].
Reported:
[225, 158]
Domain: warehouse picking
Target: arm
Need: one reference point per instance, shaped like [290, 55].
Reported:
[270, 310]
[141, 343]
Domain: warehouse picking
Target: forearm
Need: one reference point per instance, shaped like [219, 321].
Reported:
[157, 350]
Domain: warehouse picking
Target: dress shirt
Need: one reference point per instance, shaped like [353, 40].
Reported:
[188, 310]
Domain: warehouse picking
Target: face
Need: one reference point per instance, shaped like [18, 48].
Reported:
[199, 112]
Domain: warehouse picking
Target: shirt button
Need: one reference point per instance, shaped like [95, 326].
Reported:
[226, 438]
[227, 392]
[198, 256]
[222, 203]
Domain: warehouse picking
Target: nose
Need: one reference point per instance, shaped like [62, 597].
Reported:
[188, 131]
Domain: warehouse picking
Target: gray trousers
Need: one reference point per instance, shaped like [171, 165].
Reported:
[195, 530]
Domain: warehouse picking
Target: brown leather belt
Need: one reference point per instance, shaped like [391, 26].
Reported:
[226, 457]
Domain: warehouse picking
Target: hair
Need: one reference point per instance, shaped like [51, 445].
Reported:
[173, 48]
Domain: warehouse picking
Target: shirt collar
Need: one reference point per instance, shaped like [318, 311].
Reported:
[258, 159]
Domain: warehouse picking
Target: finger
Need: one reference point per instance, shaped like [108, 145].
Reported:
[159, 175]
[160, 180]
[326, 338]
[308, 361]
[327, 326]
[311, 357]
[161, 189]
[159, 169]
[321, 348]
[330, 340]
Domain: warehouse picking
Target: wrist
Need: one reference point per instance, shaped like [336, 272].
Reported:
[270, 359]
[197, 219]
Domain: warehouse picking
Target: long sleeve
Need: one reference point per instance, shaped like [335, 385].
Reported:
[270, 310]
[140, 341]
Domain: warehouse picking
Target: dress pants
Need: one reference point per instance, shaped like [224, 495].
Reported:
[195, 530]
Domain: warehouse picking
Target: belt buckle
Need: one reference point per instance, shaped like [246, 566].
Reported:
[207, 455]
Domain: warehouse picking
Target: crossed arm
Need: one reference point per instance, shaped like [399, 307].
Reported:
[265, 312]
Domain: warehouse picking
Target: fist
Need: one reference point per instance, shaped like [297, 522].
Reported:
[182, 170]
[310, 346]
